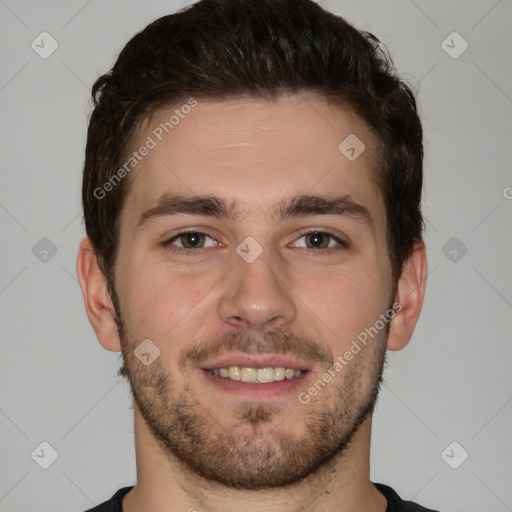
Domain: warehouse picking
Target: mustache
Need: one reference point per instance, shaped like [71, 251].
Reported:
[275, 341]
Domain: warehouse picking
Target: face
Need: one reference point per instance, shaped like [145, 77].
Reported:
[252, 254]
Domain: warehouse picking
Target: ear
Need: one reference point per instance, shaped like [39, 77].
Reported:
[98, 304]
[409, 295]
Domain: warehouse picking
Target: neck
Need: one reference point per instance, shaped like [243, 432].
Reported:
[164, 485]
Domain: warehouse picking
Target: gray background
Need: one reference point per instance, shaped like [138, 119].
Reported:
[453, 381]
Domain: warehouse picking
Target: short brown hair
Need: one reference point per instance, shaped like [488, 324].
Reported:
[219, 49]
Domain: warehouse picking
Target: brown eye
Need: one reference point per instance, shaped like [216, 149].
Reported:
[190, 240]
[317, 240]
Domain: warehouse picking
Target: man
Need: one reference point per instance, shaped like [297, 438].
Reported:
[251, 193]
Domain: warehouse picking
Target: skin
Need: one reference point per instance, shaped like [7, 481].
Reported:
[292, 301]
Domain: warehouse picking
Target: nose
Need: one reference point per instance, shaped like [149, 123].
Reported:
[256, 296]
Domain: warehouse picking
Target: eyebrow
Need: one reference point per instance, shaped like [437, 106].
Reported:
[299, 206]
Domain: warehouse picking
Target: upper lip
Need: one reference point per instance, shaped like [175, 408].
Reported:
[254, 361]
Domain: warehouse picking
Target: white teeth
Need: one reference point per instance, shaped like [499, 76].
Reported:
[234, 372]
[248, 374]
[265, 375]
[257, 375]
[279, 373]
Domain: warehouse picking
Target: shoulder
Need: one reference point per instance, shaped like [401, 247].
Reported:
[396, 504]
[114, 504]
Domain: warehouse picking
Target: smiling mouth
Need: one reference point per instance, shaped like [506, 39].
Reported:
[257, 375]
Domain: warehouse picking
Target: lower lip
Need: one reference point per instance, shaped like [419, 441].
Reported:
[256, 392]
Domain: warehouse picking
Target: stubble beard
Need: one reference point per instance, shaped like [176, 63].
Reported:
[245, 448]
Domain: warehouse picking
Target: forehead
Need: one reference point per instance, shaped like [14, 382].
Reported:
[253, 151]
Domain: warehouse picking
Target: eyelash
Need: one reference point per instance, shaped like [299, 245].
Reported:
[316, 252]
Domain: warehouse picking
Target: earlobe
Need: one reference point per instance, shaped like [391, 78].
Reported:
[410, 292]
[98, 304]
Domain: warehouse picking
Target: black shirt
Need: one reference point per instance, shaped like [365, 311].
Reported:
[395, 504]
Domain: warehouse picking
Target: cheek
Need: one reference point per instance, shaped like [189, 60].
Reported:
[346, 302]
[168, 308]
[153, 300]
